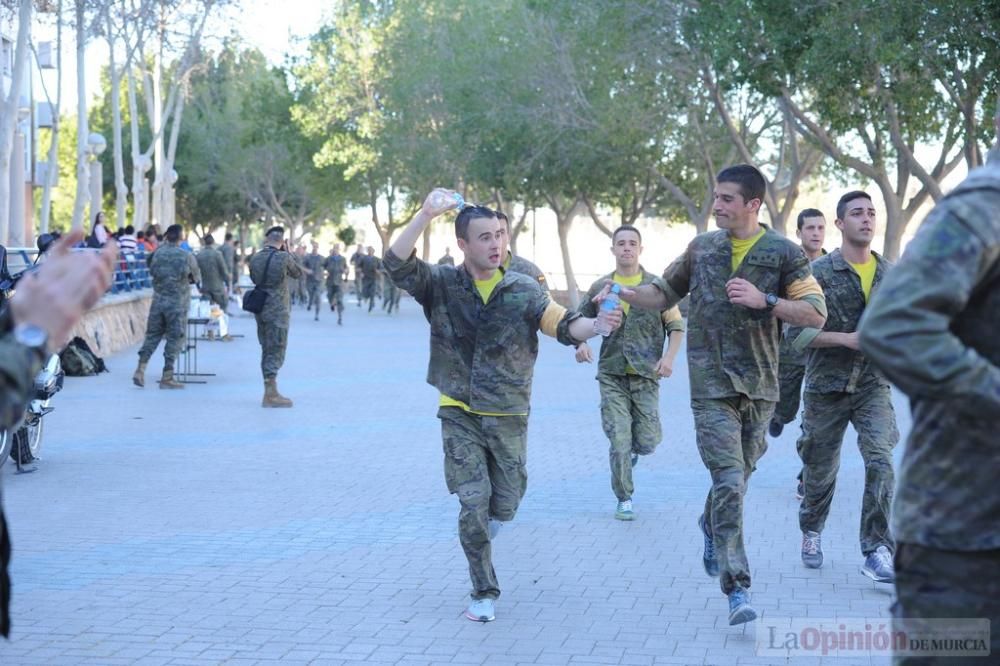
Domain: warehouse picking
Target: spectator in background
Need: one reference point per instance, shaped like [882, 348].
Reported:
[127, 241]
[153, 237]
[99, 234]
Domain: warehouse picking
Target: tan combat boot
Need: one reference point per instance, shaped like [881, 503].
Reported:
[168, 381]
[271, 396]
[139, 378]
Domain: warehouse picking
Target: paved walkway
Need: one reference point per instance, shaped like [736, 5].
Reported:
[194, 527]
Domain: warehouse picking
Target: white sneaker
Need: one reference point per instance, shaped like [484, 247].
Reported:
[494, 526]
[624, 510]
[481, 610]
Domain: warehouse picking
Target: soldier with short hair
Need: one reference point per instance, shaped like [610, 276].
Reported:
[743, 281]
[215, 280]
[313, 265]
[336, 276]
[356, 258]
[632, 361]
[841, 387]
[446, 259]
[270, 270]
[368, 266]
[484, 342]
[932, 329]
[228, 250]
[173, 270]
[811, 231]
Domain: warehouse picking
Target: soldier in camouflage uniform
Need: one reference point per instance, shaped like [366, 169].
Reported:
[313, 265]
[336, 276]
[368, 267]
[811, 230]
[446, 259]
[841, 387]
[214, 274]
[33, 324]
[272, 323]
[390, 292]
[356, 258]
[742, 280]
[515, 263]
[632, 361]
[484, 326]
[172, 270]
[228, 251]
[932, 329]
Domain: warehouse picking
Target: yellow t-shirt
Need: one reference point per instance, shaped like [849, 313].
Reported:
[627, 281]
[742, 247]
[866, 272]
[485, 288]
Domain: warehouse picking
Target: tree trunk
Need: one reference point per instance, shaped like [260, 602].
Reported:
[53, 154]
[82, 130]
[564, 223]
[895, 221]
[8, 124]
[121, 190]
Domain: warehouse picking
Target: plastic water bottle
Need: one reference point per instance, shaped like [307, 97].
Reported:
[440, 199]
[609, 303]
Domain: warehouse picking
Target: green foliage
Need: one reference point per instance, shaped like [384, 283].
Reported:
[346, 235]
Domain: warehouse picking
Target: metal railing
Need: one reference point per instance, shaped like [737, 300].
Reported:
[130, 273]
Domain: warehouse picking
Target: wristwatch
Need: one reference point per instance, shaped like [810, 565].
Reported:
[34, 338]
[771, 300]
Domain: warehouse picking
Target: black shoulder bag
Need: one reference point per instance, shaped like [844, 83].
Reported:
[253, 300]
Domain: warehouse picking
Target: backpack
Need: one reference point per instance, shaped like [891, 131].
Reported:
[78, 360]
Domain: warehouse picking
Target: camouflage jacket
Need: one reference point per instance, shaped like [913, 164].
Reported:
[214, 272]
[524, 267]
[283, 267]
[733, 350]
[336, 267]
[933, 330]
[228, 253]
[787, 353]
[839, 369]
[368, 266]
[313, 262]
[172, 270]
[638, 342]
[18, 367]
[481, 354]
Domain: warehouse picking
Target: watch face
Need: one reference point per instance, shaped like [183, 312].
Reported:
[772, 299]
[30, 335]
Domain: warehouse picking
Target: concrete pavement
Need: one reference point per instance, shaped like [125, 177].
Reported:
[194, 527]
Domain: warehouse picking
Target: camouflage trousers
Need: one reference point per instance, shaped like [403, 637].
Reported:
[630, 415]
[941, 584]
[312, 288]
[368, 293]
[790, 376]
[730, 435]
[335, 295]
[164, 323]
[273, 341]
[824, 422]
[485, 461]
[217, 296]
